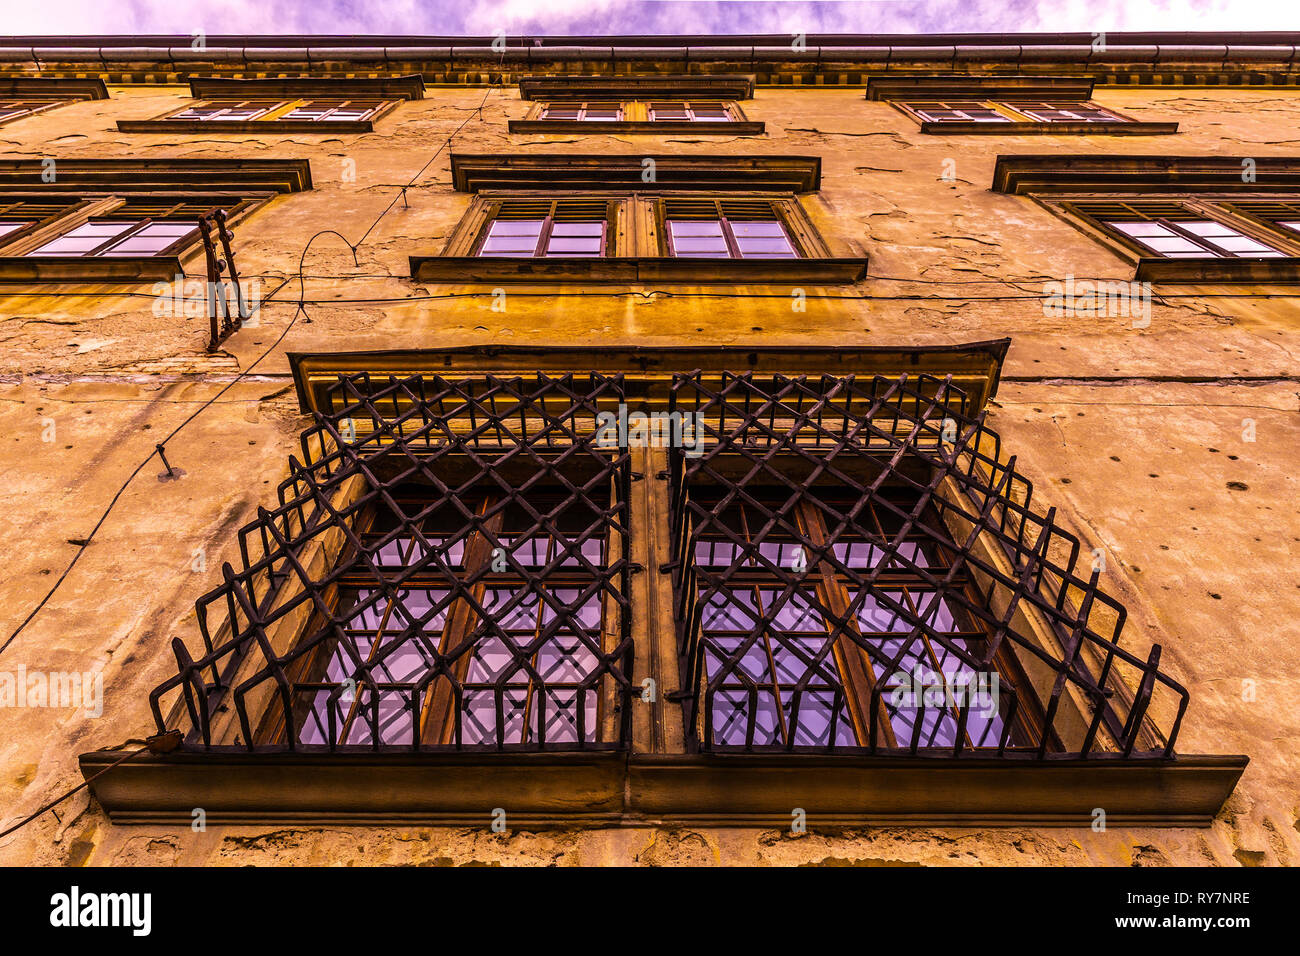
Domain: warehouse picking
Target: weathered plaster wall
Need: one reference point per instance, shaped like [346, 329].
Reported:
[1136, 435]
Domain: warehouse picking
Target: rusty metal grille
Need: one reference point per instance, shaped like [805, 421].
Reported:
[446, 569]
[853, 562]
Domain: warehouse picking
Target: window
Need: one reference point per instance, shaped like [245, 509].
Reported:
[128, 228]
[694, 112]
[119, 237]
[726, 229]
[593, 217]
[224, 111]
[1189, 229]
[1011, 111]
[955, 111]
[648, 116]
[443, 604]
[840, 578]
[584, 112]
[772, 651]
[1065, 112]
[1006, 105]
[114, 221]
[476, 596]
[14, 109]
[339, 109]
[1177, 218]
[324, 105]
[535, 638]
[310, 111]
[547, 228]
[22, 96]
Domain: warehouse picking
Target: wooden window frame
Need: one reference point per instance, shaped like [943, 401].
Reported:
[48, 94]
[436, 719]
[33, 106]
[1001, 94]
[472, 231]
[287, 94]
[636, 245]
[1079, 210]
[17, 262]
[787, 210]
[855, 670]
[636, 119]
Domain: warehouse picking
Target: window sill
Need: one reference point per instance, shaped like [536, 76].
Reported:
[132, 269]
[637, 269]
[1050, 129]
[1159, 269]
[245, 126]
[660, 128]
[613, 788]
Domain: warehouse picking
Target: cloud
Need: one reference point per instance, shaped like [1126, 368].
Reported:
[559, 17]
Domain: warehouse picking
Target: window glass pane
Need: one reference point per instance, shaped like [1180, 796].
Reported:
[700, 239]
[80, 240]
[762, 240]
[512, 237]
[709, 227]
[9, 226]
[1140, 230]
[1162, 239]
[577, 228]
[152, 239]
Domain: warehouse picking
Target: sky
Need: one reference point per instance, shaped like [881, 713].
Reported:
[557, 17]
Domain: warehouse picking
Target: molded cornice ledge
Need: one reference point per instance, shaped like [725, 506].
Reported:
[408, 87]
[1075, 173]
[714, 86]
[938, 86]
[472, 172]
[42, 86]
[144, 175]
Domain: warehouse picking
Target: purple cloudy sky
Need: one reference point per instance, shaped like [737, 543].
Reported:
[487, 17]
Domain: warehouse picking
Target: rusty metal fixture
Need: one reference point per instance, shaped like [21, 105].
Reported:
[446, 570]
[838, 538]
[220, 264]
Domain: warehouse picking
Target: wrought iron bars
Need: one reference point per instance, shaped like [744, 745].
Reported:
[448, 569]
[220, 269]
[861, 495]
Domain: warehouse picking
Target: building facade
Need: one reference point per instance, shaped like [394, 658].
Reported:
[748, 450]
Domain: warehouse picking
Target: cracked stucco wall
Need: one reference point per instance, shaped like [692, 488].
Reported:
[1136, 435]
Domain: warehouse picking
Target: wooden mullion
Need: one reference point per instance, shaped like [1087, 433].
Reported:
[1192, 237]
[275, 112]
[544, 237]
[438, 720]
[733, 247]
[126, 233]
[1006, 109]
[856, 675]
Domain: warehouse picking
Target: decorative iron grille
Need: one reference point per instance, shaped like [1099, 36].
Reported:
[448, 569]
[852, 561]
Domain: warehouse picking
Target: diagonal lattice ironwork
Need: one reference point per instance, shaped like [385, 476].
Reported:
[853, 560]
[447, 568]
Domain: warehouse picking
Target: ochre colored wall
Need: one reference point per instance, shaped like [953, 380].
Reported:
[1134, 434]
